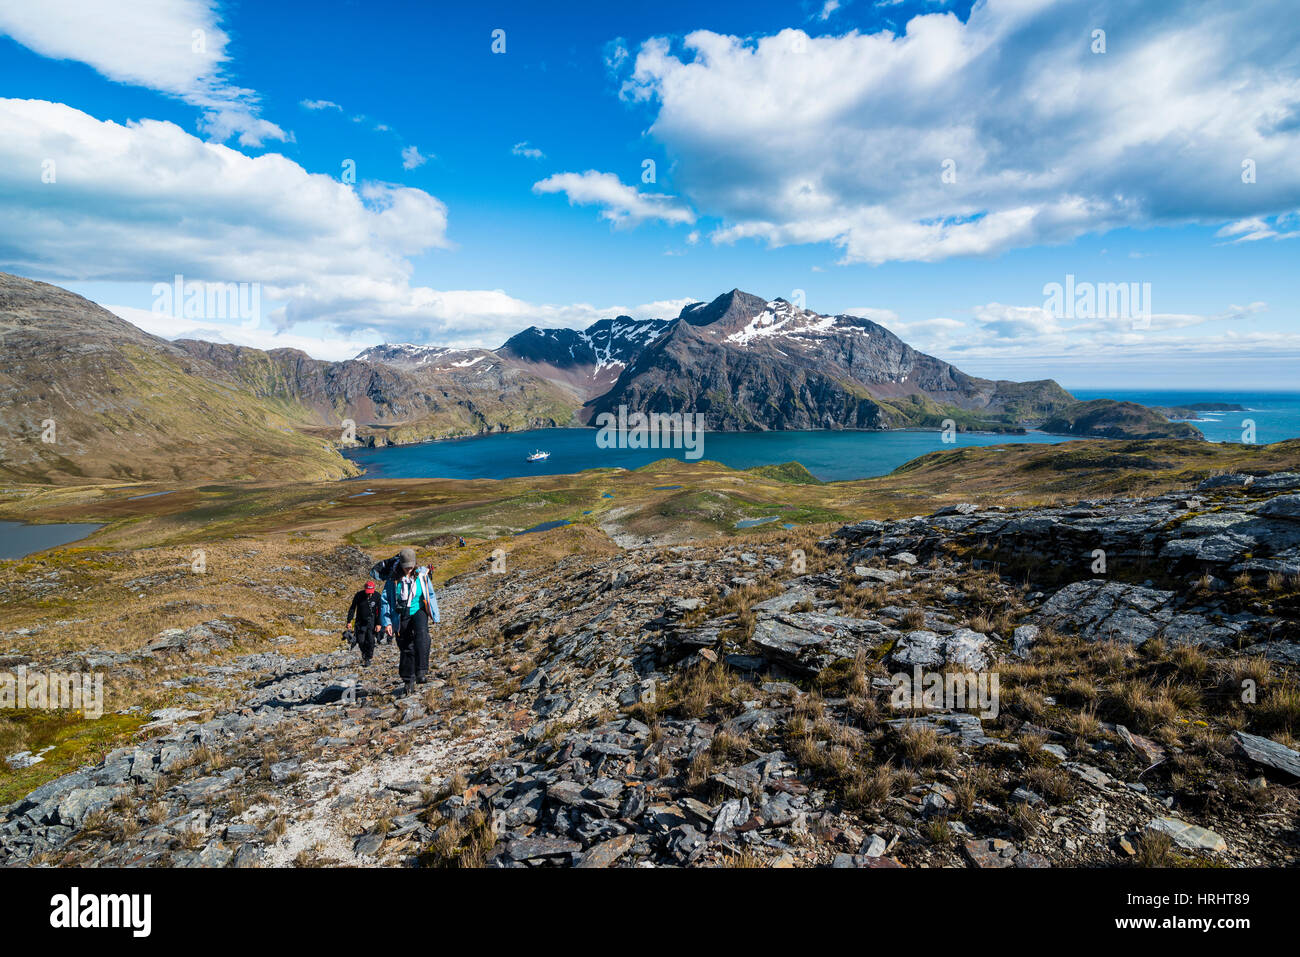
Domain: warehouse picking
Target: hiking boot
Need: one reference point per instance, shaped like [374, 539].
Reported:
[408, 687]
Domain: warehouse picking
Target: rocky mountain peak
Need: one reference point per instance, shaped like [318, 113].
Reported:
[730, 309]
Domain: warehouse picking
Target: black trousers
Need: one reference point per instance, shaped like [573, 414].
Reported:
[413, 643]
[365, 632]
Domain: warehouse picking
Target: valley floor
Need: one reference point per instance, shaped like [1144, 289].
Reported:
[706, 696]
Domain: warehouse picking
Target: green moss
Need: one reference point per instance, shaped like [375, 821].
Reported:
[791, 472]
[76, 740]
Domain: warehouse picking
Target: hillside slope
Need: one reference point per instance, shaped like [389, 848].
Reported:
[121, 404]
[406, 402]
[1109, 419]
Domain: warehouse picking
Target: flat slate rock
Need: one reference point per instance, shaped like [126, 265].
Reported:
[926, 648]
[991, 853]
[1187, 835]
[607, 852]
[1269, 753]
[812, 641]
[863, 861]
[528, 848]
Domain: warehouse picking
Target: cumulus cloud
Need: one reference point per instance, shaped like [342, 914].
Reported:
[144, 201]
[176, 47]
[1016, 322]
[412, 158]
[972, 138]
[619, 203]
[129, 199]
[615, 54]
[168, 326]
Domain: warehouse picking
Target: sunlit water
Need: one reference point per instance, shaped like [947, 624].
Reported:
[831, 456]
[828, 455]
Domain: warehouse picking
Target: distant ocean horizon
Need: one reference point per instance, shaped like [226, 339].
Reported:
[1276, 415]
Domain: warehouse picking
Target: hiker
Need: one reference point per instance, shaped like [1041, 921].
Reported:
[365, 609]
[407, 607]
[462, 541]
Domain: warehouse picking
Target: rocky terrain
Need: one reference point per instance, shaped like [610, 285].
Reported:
[735, 704]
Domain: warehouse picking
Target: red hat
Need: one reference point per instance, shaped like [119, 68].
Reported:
[370, 587]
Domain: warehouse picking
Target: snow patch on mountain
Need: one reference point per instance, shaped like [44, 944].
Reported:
[403, 354]
[784, 320]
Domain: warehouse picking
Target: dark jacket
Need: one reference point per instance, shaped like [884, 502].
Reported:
[365, 609]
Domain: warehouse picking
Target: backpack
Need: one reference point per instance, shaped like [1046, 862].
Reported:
[387, 569]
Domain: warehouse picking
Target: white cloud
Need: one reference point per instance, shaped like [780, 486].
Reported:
[141, 202]
[621, 204]
[176, 47]
[412, 158]
[1017, 333]
[168, 326]
[317, 105]
[530, 152]
[829, 7]
[886, 317]
[145, 200]
[844, 140]
[1016, 322]
[1256, 228]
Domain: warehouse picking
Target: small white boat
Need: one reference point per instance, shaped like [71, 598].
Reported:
[538, 456]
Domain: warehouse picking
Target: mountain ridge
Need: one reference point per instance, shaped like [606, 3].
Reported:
[754, 364]
[749, 364]
[136, 406]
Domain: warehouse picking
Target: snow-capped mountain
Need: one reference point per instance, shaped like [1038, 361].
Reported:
[584, 362]
[587, 361]
[434, 358]
[746, 363]
[750, 363]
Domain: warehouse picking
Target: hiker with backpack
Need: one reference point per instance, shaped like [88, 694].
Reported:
[366, 610]
[408, 606]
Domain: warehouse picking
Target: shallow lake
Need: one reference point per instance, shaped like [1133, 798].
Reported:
[18, 540]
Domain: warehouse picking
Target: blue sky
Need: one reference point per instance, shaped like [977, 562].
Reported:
[797, 147]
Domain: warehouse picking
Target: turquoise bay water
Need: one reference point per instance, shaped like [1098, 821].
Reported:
[1276, 414]
[831, 456]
